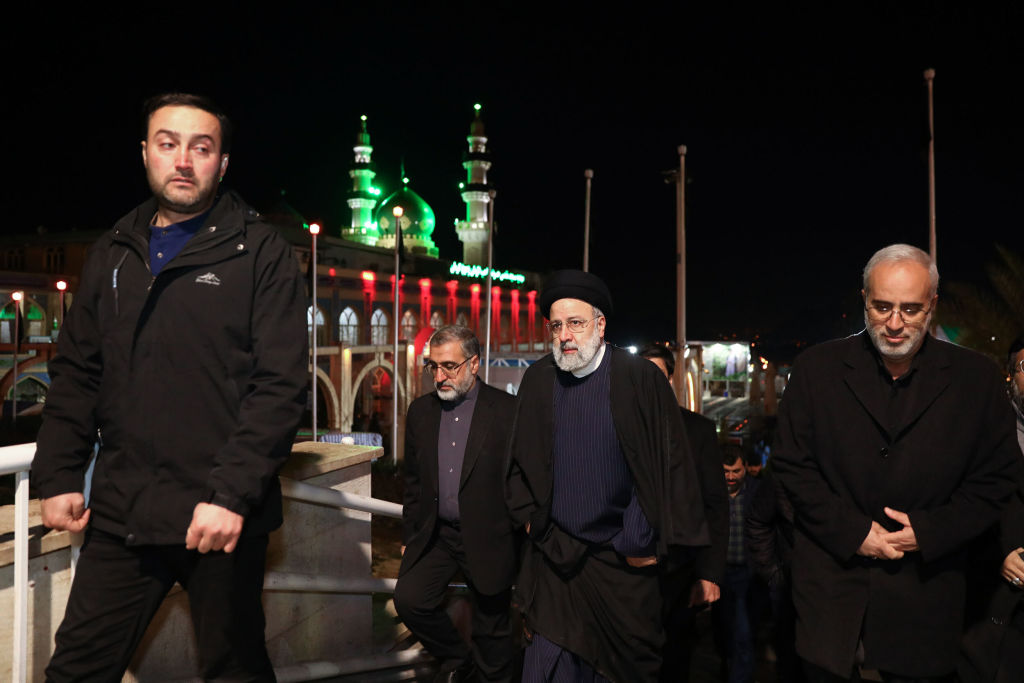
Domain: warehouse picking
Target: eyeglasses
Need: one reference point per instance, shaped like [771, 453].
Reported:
[449, 368]
[881, 311]
[574, 325]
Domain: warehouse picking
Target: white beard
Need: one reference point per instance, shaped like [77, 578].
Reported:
[580, 359]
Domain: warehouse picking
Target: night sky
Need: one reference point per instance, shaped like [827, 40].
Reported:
[806, 131]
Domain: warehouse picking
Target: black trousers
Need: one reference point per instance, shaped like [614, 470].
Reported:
[419, 601]
[117, 589]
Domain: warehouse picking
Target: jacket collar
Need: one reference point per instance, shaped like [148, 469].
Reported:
[229, 214]
[930, 366]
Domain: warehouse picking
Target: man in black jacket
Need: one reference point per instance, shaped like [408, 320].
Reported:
[184, 356]
[897, 450]
[454, 516]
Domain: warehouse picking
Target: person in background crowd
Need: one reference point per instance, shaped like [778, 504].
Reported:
[769, 531]
[734, 615]
[693, 583]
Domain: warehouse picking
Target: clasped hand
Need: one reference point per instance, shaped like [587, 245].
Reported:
[883, 544]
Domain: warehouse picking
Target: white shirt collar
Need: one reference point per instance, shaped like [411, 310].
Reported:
[594, 363]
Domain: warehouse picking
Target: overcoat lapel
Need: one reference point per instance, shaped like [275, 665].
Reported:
[431, 430]
[860, 375]
[933, 375]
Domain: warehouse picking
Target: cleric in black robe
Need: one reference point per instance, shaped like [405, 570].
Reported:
[602, 479]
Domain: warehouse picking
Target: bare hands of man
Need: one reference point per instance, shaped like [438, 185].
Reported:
[66, 512]
[875, 545]
[213, 528]
[704, 593]
[903, 540]
[1013, 568]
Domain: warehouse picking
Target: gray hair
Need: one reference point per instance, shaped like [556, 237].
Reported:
[452, 333]
[903, 252]
[597, 312]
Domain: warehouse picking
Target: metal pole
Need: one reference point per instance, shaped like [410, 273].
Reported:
[589, 175]
[314, 229]
[397, 211]
[680, 373]
[490, 265]
[929, 78]
[17, 339]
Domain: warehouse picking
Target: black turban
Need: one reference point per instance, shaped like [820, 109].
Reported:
[575, 284]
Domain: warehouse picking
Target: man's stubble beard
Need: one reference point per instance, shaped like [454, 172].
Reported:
[459, 388]
[580, 359]
[202, 199]
[907, 348]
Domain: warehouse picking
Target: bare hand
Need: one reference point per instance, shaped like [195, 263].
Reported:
[903, 540]
[875, 545]
[641, 561]
[213, 528]
[704, 593]
[1013, 568]
[66, 512]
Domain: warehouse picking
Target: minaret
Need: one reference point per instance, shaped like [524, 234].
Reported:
[473, 231]
[363, 197]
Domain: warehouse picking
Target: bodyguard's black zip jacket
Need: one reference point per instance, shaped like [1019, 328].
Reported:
[195, 379]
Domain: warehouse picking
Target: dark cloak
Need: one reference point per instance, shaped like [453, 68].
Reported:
[586, 598]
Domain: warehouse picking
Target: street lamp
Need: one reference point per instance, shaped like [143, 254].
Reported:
[16, 297]
[314, 230]
[61, 287]
[397, 213]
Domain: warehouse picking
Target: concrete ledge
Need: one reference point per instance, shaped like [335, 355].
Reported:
[314, 540]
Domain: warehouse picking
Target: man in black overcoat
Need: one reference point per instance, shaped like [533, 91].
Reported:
[693, 581]
[896, 449]
[454, 516]
[602, 480]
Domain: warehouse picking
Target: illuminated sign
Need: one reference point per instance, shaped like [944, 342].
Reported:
[481, 272]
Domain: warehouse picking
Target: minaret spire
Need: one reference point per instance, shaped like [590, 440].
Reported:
[473, 231]
[362, 198]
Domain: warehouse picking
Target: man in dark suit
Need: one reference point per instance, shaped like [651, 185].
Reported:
[896, 449]
[454, 518]
[693, 585]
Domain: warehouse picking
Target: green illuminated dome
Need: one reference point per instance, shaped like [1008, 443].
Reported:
[417, 222]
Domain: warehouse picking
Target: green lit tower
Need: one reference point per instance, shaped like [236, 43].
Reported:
[362, 198]
[473, 231]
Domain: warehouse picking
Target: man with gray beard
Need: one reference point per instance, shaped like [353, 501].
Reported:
[454, 518]
[897, 450]
[602, 480]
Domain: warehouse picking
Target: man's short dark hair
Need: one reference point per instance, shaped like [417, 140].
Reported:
[1015, 346]
[449, 333]
[652, 351]
[184, 99]
[731, 453]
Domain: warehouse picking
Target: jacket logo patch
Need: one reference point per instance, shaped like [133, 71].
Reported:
[208, 279]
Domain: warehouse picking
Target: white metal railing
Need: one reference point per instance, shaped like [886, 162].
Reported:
[17, 460]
